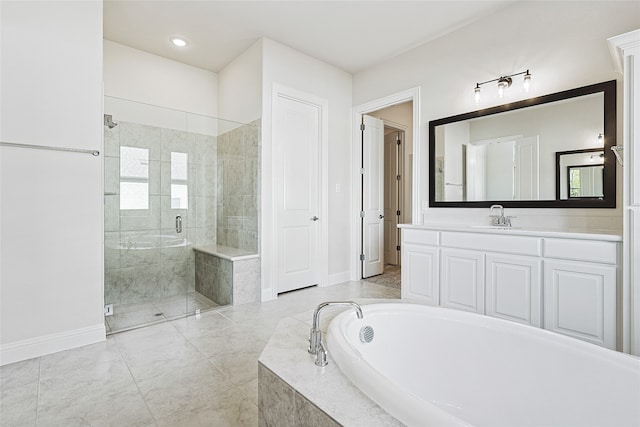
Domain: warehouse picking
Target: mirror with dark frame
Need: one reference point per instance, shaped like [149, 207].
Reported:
[579, 174]
[508, 154]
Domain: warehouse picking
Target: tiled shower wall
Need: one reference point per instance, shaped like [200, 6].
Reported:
[238, 194]
[144, 255]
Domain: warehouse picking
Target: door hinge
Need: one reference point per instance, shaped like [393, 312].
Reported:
[398, 213]
[397, 177]
[361, 171]
[361, 214]
[361, 257]
[362, 127]
[398, 248]
[398, 142]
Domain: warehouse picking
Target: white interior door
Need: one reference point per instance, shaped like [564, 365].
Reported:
[297, 137]
[373, 196]
[526, 170]
[391, 197]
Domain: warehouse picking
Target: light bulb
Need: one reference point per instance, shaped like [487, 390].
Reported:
[477, 93]
[501, 86]
[177, 41]
[526, 82]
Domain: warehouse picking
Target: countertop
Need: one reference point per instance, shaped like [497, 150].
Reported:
[593, 234]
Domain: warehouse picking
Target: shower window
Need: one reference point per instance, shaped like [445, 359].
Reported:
[134, 178]
[179, 183]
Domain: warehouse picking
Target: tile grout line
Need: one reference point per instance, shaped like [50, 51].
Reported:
[38, 391]
[124, 360]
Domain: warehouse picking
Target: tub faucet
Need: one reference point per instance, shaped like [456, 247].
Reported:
[499, 220]
[316, 345]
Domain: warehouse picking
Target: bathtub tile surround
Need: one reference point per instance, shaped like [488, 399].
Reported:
[187, 372]
[283, 406]
[238, 192]
[289, 371]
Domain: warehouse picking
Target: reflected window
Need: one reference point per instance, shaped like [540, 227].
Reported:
[134, 178]
[179, 183]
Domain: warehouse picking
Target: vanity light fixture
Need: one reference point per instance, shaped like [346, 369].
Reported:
[504, 82]
[178, 41]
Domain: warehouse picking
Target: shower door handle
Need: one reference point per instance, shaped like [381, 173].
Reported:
[178, 224]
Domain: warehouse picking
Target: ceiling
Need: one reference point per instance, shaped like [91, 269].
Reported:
[352, 35]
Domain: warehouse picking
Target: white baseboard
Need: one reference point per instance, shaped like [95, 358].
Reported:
[334, 279]
[266, 295]
[40, 346]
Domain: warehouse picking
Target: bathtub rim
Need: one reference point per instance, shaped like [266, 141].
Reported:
[356, 369]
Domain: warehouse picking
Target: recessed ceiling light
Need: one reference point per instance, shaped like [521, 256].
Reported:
[177, 41]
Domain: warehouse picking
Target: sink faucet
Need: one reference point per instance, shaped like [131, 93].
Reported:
[499, 220]
[315, 335]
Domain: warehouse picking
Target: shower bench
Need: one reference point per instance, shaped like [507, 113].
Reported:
[227, 275]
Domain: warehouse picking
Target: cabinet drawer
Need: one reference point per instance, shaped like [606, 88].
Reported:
[581, 250]
[518, 245]
[422, 237]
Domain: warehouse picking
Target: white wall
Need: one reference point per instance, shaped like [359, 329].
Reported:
[143, 77]
[51, 262]
[562, 43]
[290, 68]
[240, 86]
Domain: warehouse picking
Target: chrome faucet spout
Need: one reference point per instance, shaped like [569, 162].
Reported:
[315, 335]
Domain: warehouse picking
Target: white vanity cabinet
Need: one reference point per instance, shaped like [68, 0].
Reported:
[566, 285]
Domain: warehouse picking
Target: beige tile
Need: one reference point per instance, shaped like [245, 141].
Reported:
[113, 407]
[227, 409]
[189, 388]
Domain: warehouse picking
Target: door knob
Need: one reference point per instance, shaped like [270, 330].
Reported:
[381, 216]
[315, 218]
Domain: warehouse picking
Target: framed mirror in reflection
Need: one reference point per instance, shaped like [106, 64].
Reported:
[580, 174]
[511, 154]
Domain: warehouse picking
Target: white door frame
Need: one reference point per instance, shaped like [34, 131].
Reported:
[413, 95]
[279, 90]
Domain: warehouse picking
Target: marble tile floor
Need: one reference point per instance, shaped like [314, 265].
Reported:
[187, 372]
[390, 277]
[157, 310]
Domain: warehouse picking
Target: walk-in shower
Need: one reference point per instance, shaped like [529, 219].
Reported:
[171, 183]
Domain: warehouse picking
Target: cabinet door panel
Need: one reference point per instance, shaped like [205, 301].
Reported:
[514, 288]
[462, 280]
[580, 301]
[419, 274]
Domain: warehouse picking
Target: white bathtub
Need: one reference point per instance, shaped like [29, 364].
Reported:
[430, 366]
